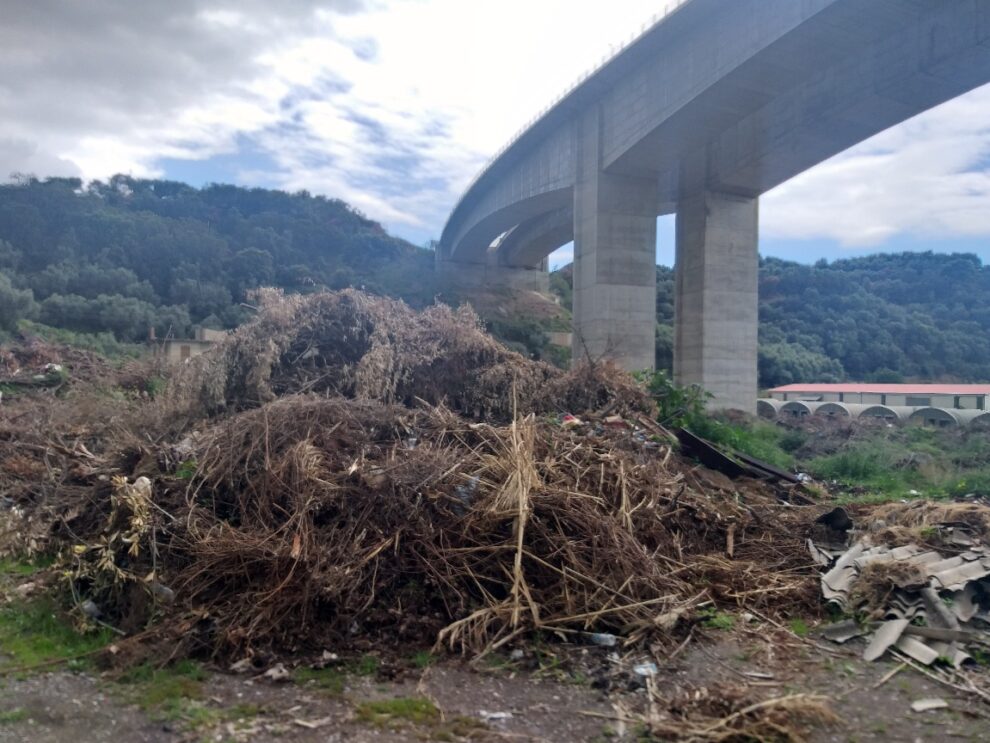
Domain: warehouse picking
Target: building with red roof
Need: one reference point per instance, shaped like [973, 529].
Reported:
[961, 396]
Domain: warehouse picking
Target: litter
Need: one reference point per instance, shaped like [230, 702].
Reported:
[901, 587]
[927, 705]
[646, 669]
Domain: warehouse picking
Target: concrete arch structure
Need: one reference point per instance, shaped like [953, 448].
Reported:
[834, 410]
[936, 417]
[972, 418]
[889, 413]
[798, 409]
[768, 408]
[705, 111]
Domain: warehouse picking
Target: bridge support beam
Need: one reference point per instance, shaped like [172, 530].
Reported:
[715, 298]
[615, 282]
[486, 276]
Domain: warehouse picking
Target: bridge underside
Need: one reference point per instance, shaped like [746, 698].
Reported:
[738, 97]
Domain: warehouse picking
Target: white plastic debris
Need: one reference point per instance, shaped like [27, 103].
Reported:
[278, 672]
[646, 669]
[493, 716]
[604, 639]
[926, 705]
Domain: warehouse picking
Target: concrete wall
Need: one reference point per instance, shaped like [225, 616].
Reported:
[178, 351]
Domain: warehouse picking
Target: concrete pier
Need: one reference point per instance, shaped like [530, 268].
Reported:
[615, 282]
[715, 308]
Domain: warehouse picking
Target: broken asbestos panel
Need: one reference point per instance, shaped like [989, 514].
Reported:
[932, 604]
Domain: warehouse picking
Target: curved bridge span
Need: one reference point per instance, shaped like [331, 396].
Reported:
[712, 106]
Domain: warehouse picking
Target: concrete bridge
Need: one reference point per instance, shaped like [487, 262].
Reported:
[715, 104]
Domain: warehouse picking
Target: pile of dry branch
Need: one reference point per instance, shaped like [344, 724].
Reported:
[344, 467]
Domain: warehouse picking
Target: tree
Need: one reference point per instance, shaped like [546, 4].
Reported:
[15, 304]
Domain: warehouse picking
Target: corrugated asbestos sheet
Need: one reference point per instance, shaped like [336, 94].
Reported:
[936, 615]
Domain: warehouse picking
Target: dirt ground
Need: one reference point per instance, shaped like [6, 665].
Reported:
[498, 704]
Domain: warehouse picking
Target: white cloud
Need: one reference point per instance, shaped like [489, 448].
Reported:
[394, 105]
[926, 177]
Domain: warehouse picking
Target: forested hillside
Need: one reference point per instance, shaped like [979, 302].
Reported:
[128, 254]
[121, 256]
[884, 318]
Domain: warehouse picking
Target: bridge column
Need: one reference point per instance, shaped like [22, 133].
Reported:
[615, 278]
[715, 298]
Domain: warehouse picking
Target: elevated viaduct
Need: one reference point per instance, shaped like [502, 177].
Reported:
[709, 108]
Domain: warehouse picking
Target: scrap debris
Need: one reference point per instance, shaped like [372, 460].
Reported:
[927, 603]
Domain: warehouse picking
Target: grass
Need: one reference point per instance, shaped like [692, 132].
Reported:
[423, 659]
[799, 627]
[24, 567]
[330, 680]
[757, 439]
[103, 343]
[36, 632]
[395, 712]
[713, 619]
[176, 694]
[11, 716]
[366, 665]
[160, 688]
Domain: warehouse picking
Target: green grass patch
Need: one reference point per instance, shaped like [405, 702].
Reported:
[330, 680]
[423, 659]
[157, 688]
[37, 631]
[366, 665]
[11, 716]
[176, 694]
[757, 439]
[25, 567]
[799, 627]
[186, 470]
[713, 619]
[395, 712]
[104, 343]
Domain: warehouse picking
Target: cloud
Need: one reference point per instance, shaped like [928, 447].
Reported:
[112, 85]
[926, 178]
[394, 105]
[20, 156]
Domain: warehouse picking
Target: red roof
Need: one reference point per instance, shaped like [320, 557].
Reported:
[890, 389]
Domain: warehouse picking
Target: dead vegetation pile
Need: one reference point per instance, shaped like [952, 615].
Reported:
[347, 468]
[727, 712]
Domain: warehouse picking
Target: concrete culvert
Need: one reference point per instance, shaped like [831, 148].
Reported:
[833, 410]
[767, 408]
[973, 418]
[797, 409]
[935, 417]
[981, 421]
[889, 413]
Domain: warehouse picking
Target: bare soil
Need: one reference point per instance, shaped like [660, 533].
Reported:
[873, 705]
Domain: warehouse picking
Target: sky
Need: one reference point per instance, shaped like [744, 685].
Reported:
[395, 105]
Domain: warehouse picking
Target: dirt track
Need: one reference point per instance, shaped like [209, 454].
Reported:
[87, 709]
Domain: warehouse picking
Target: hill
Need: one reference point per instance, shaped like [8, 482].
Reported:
[127, 254]
[121, 256]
